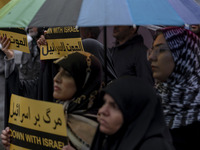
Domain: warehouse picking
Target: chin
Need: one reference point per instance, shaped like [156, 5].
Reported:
[105, 130]
[157, 77]
[56, 96]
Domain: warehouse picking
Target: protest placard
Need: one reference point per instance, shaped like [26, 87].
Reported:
[36, 124]
[61, 41]
[18, 38]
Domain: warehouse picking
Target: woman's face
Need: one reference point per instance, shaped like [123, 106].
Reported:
[64, 85]
[161, 59]
[109, 116]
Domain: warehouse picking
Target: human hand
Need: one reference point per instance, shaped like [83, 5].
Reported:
[5, 43]
[41, 40]
[5, 138]
[68, 147]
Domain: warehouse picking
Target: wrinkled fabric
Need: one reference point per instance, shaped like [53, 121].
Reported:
[144, 127]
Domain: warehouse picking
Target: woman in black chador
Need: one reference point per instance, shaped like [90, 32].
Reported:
[131, 118]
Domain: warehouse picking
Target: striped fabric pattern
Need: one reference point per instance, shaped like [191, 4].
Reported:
[180, 93]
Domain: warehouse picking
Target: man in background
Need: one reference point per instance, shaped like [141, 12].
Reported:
[89, 32]
[130, 54]
[195, 29]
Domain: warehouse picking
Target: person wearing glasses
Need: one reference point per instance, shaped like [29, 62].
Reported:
[175, 58]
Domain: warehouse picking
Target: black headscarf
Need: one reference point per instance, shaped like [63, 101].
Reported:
[81, 111]
[86, 71]
[143, 127]
[97, 49]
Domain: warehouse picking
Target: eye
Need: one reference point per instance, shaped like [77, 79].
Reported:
[67, 74]
[114, 105]
[64, 73]
[163, 50]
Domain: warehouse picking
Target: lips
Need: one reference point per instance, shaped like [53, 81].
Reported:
[153, 67]
[56, 88]
[102, 122]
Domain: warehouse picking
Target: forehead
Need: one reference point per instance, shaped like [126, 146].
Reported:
[61, 69]
[122, 27]
[33, 29]
[108, 99]
[160, 40]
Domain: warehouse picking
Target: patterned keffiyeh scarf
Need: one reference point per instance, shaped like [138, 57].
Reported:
[180, 93]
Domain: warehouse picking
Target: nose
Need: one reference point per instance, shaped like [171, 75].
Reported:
[103, 110]
[151, 56]
[57, 78]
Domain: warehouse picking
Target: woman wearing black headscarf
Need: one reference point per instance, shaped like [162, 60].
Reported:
[39, 88]
[76, 86]
[131, 118]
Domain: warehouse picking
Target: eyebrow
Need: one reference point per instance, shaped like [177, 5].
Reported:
[157, 45]
[113, 104]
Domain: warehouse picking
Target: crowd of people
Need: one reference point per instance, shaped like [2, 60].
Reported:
[151, 99]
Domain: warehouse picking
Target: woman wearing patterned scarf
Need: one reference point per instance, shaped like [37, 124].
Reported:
[175, 62]
[76, 86]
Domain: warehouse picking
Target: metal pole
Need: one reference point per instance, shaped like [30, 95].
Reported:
[105, 55]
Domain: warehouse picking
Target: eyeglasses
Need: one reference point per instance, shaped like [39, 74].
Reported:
[157, 50]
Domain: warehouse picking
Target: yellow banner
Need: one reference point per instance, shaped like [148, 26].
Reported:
[36, 124]
[18, 38]
[14, 147]
[57, 48]
[61, 41]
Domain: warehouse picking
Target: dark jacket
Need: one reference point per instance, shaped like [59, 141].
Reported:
[30, 62]
[130, 58]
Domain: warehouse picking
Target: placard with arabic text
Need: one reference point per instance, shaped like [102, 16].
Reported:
[18, 38]
[36, 124]
[61, 41]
